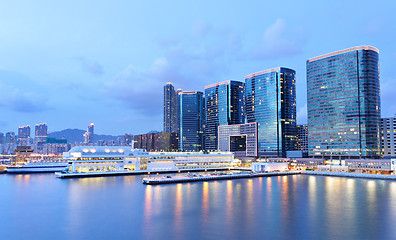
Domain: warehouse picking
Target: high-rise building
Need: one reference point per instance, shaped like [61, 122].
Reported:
[1, 138]
[127, 139]
[271, 102]
[171, 109]
[302, 137]
[10, 138]
[24, 135]
[224, 105]
[344, 103]
[388, 136]
[160, 141]
[89, 134]
[40, 132]
[24, 132]
[191, 112]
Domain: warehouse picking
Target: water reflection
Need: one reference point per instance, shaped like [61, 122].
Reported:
[392, 201]
[269, 191]
[293, 207]
[148, 205]
[178, 212]
[23, 179]
[285, 202]
[205, 203]
[229, 205]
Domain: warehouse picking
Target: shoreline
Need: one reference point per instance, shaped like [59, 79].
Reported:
[350, 175]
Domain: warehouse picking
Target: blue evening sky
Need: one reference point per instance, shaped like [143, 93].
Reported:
[70, 63]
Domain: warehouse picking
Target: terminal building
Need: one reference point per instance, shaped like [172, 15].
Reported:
[85, 160]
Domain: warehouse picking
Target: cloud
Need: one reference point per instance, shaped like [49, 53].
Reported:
[200, 58]
[201, 28]
[373, 26]
[19, 100]
[280, 40]
[190, 63]
[90, 66]
[137, 89]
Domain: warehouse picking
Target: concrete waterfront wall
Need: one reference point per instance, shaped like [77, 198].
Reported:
[353, 175]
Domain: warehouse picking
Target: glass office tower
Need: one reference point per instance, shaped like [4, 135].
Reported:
[344, 103]
[171, 115]
[271, 102]
[191, 111]
[224, 103]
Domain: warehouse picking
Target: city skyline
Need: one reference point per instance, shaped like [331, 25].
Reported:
[114, 76]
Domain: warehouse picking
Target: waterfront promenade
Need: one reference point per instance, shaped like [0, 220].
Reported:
[350, 175]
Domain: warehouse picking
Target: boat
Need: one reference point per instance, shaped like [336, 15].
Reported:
[3, 169]
[43, 166]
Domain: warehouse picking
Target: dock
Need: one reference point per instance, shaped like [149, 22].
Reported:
[135, 172]
[350, 175]
[96, 174]
[211, 177]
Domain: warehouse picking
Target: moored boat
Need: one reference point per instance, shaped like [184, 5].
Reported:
[39, 167]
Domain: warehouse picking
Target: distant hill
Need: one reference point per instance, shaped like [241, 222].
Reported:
[153, 131]
[77, 136]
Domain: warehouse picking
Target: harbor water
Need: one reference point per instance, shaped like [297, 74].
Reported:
[40, 206]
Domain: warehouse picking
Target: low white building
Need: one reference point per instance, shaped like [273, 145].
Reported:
[86, 159]
[332, 168]
[270, 166]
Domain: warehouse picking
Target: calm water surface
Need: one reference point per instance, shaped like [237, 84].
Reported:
[41, 206]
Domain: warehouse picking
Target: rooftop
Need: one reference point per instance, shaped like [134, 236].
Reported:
[266, 71]
[343, 51]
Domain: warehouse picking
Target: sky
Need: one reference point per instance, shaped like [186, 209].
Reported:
[70, 63]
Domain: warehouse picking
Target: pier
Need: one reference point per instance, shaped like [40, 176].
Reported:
[212, 177]
[351, 175]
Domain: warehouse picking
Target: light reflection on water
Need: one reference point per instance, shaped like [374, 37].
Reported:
[287, 207]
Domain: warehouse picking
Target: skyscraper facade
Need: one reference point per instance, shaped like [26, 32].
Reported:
[344, 103]
[171, 109]
[24, 135]
[271, 102]
[388, 136]
[41, 132]
[89, 134]
[191, 111]
[10, 138]
[224, 105]
[302, 137]
[159, 141]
